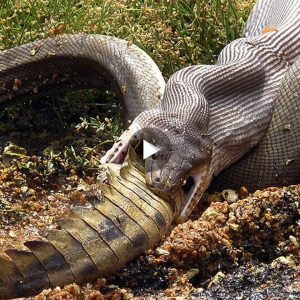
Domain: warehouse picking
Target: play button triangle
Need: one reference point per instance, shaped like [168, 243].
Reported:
[149, 149]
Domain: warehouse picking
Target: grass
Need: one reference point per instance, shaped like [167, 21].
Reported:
[174, 33]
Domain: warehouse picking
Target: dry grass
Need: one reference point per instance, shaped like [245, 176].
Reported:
[174, 33]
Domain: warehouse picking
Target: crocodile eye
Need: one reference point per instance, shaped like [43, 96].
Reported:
[189, 184]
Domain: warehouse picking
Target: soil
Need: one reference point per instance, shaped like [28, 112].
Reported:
[248, 249]
[235, 246]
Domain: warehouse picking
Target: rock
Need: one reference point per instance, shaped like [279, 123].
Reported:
[282, 260]
[243, 193]
[160, 251]
[216, 279]
[230, 196]
[191, 273]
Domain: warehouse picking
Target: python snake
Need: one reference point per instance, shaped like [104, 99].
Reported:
[238, 119]
[240, 115]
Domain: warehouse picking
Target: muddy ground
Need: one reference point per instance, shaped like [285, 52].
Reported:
[245, 250]
[241, 246]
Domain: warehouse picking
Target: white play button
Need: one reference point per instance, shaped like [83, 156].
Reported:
[149, 149]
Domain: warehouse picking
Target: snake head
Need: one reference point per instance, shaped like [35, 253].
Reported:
[181, 168]
[183, 162]
[181, 155]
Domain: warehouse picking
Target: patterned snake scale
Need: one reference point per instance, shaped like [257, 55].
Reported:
[238, 119]
[215, 115]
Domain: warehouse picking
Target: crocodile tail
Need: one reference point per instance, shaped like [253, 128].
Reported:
[123, 220]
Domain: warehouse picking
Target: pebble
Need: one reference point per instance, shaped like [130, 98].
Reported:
[234, 227]
[216, 279]
[191, 273]
[128, 296]
[265, 194]
[11, 234]
[230, 196]
[112, 287]
[160, 251]
[282, 260]
[294, 241]
[243, 193]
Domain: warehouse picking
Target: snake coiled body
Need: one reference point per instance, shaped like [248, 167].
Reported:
[276, 159]
[240, 115]
[238, 119]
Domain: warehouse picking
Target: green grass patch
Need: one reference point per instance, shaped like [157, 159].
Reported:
[174, 33]
[77, 125]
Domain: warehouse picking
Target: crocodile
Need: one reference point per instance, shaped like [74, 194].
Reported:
[123, 219]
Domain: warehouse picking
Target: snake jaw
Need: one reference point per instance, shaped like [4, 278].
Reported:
[200, 181]
[119, 149]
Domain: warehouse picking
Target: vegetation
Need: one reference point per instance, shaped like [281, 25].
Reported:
[175, 33]
[65, 135]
